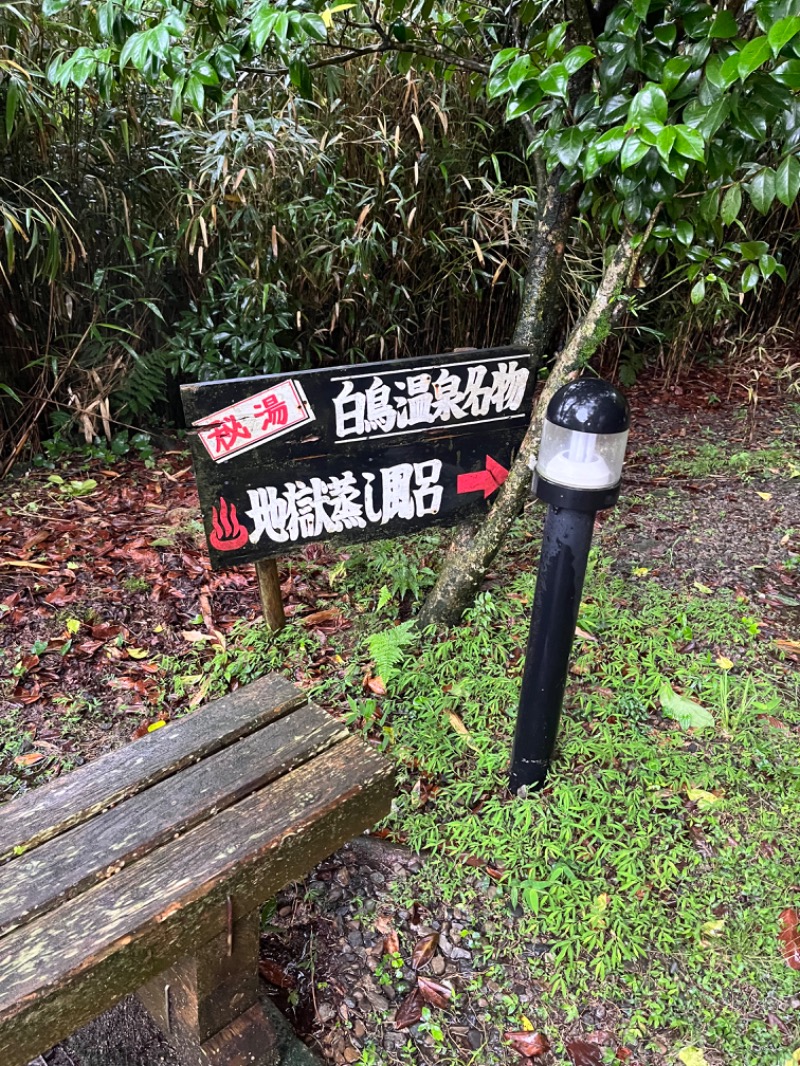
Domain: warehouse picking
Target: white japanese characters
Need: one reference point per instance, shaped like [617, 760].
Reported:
[304, 509]
[391, 403]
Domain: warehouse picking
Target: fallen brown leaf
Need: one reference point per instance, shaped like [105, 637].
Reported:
[29, 759]
[410, 1010]
[376, 686]
[274, 974]
[529, 1045]
[391, 943]
[582, 1053]
[317, 618]
[424, 949]
[789, 937]
[435, 992]
[584, 635]
[27, 695]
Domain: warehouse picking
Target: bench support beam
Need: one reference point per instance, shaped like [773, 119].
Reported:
[207, 1004]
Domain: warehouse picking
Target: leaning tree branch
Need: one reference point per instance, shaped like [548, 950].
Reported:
[431, 52]
[472, 552]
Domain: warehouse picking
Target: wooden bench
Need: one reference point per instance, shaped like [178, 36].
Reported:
[146, 870]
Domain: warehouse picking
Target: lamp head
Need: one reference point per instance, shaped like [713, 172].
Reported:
[585, 432]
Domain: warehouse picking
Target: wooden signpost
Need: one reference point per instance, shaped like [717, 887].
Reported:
[352, 453]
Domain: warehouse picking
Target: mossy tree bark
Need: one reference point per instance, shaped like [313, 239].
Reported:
[473, 550]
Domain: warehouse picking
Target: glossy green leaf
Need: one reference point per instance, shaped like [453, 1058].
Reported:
[519, 71]
[610, 144]
[555, 39]
[553, 81]
[788, 74]
[754, 55]
[665, 33]
[753, 249]
[525, 103]
[649, 109]
[204, 72]
[729, 71]
[300, 77]
[578, 57]
[315, 27]
[731, 204]
[134, 51]
[52, 7]
[698, 293]
[567, 146]
[674, 70]
[768, 265]
[12, 103]
[782, 32]
[724, 26]
[684, 231]
[761, 190]
[665, 141]
[787, 180]
[503, 58]
[633, 150]
[750, 277]
[194, 94]
[689, 143]
[707, 119]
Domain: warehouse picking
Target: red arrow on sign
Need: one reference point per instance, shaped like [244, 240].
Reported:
[486, 481]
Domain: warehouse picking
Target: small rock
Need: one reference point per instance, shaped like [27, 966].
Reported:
[438, 965]
[359, 1029]
[377, 878]
[475, 1039]
[351, 1054]
[355, 939]
[377, 1001]
[342, 876]
[325, 1012]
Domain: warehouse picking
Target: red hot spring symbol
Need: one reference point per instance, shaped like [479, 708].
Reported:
[228, 532]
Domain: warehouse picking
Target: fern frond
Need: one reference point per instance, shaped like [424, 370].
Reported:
[386, 648]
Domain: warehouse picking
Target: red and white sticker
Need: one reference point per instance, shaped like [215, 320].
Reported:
[251, 422]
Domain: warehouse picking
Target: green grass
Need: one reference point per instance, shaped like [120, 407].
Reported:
[613, 885]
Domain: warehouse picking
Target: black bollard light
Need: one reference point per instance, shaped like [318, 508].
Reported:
[577, 472]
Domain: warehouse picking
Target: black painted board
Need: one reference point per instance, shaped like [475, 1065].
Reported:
[354, 453]
[58, 870]
[53, 808]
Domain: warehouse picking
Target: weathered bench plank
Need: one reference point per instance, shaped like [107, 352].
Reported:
[57, 970]
[60, 868]
[49, 810]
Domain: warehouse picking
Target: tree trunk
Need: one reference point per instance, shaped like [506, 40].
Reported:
[474, 548]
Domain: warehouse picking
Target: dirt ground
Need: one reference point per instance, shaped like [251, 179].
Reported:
[96, 587]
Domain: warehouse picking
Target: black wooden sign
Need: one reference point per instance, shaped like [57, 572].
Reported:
[354, 453]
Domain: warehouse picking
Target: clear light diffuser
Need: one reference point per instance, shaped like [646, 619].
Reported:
[580, 460]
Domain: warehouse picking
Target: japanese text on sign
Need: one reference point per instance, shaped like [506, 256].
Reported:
[245, 425]
[369, 405]
[311, 508]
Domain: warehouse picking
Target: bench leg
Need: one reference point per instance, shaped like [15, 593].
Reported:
[207, 1004]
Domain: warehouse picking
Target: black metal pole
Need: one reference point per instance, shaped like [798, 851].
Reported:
[562, 569]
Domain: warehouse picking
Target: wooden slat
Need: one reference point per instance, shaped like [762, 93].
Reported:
[57, 870]
[51, 809]
[59, 971]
